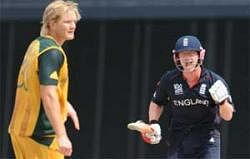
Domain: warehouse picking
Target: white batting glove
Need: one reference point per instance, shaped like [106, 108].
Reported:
[219, 92]
[155, 136]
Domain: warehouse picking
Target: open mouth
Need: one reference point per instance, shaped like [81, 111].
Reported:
[189, 63]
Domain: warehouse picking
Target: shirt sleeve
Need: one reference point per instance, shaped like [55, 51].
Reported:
[49, 65]
[161, 96]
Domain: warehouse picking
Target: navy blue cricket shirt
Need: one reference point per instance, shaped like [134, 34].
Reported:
[189, 106]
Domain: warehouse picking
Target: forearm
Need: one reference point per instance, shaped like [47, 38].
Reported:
[226, 111]
[52, 109]
[155, 111]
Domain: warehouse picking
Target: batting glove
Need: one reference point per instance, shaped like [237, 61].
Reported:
[219, 92]
[155, 136]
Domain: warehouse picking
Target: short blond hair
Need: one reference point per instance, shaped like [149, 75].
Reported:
[55, 10]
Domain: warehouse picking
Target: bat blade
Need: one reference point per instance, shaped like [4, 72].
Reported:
[140, 126]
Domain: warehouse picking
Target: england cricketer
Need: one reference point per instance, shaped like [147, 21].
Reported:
[41, 106]
[197, 99]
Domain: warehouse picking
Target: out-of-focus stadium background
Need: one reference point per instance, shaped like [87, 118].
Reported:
[122, 48]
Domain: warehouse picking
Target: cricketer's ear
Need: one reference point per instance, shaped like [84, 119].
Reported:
[202, 54]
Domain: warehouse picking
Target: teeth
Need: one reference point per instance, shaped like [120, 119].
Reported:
[189, 63]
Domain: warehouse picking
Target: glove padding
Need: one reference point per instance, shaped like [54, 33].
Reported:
[155, 136]
[218, 92]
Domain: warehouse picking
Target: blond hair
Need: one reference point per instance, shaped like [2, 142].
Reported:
[55, 10]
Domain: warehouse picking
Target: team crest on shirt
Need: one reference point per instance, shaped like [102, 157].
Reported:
[203, 89]
[178, 89]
